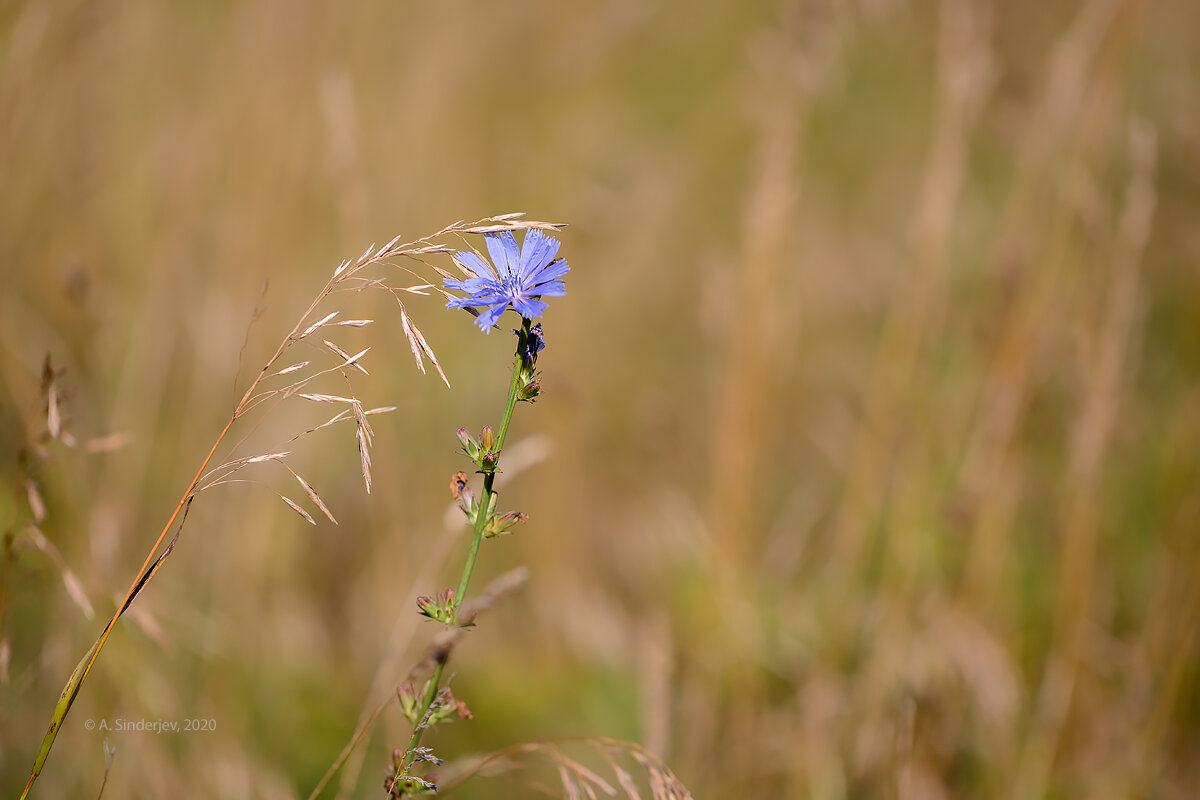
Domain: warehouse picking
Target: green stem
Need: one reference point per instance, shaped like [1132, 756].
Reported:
[418, 728]
[481, 518]
[485, 500]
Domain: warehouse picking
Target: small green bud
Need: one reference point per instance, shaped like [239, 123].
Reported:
[498, 526]
[469, 445]
[427, 606]
[440, 608]
[529, 388]
[408, 702]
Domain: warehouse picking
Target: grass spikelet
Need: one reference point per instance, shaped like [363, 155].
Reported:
[576, 778]
[293, 368]
[347, 359]
[329, 398]
[363, 434]
[420, 347]
[317, 324]
[50, 391]
[37, 506]
[316, 498]
[267, 457]
[386, 250]
[69, 579]
[298, 509]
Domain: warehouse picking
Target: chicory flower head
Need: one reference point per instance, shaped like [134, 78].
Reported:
[520, 276]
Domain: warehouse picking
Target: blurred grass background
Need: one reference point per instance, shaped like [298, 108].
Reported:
[872, 411]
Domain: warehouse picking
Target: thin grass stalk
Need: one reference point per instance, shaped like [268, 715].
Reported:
[345, 272]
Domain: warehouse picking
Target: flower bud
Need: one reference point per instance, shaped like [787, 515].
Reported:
[469, 445]
[408, 701]
[440, 608]
[503, 524]
[487, 438]
[427, 607]
[530, 389]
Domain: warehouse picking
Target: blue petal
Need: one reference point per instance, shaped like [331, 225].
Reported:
[528, 307]
[475, 264]
[551, 271]
[488, 319]
[549, 289]
[537, 251]
[504, 251]
[470, 285]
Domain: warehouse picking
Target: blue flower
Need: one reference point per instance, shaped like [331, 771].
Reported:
[521, 275]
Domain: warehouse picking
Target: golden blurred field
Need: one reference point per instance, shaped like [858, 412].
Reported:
[867, 464]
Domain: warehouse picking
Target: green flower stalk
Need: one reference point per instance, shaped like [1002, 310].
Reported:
[518, 279]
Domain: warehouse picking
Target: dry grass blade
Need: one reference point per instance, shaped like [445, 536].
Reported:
[354, 323]
[298, 509]
[220, 475]
[380, 410]
[368, 283]
[70, 580]
[364, 457]
[50, 375]
[107, 444]
[266, 457]
[342, 416]
[292, 368]
[363, 434]
[587, 777]
[338, 417]
[387, 248]
[53, 418]
[70, 691]
[542, 226]
[663, 783]
[417, 350]
[328, 398]
[317, 324]
[37, 506]
[470, 273]
[348, 360]
[575, 776]
[312, 495]
[420, 347]
[568, 783]
[627, 782]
